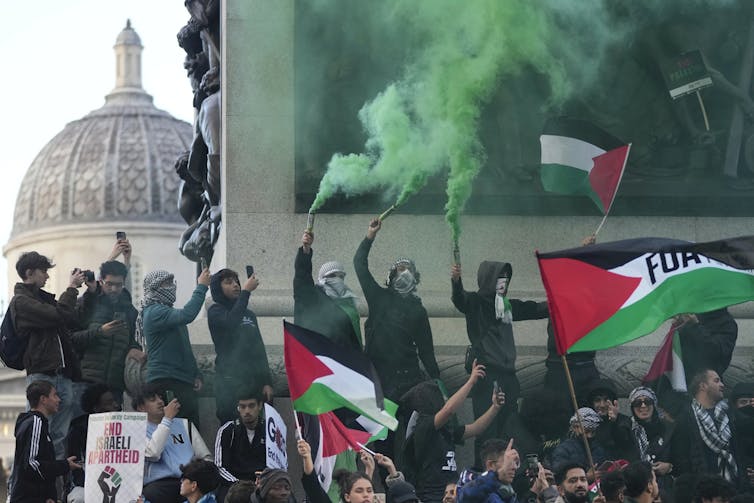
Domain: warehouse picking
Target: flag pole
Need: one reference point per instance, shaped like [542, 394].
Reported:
[623, 169]
[578, 416]
[298, 426]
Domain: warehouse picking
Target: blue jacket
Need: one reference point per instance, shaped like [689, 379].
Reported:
[168, 345]
[486, 488]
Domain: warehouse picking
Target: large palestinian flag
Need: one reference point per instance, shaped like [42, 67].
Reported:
[323, 376]
[607, 294]
[578, 158]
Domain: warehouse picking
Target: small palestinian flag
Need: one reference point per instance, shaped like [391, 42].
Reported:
[607, 294]
[328, 437]
[323, 376]
[578, 158]
[669, 361]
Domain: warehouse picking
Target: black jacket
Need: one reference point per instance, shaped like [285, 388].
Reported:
[492, 340]
[235, 455]
[34, 467]
[314, 310]
[396, 330]
[45, 322]
[708, 344]
[742, 426]
[238, 342]
[103, 357]
[689, 452]
[76, 445]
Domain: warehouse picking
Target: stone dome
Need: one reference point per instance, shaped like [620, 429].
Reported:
[114, 164]
[128, 36]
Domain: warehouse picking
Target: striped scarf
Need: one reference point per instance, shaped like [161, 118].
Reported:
[714, 429]
[640, 434]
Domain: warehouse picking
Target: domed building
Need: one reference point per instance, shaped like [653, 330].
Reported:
[112, 170]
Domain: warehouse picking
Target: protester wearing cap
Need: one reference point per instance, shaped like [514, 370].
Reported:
[652, 435]
[742, 400]
[572, 450]
[614, 430]
[401, 492]
[328, 306]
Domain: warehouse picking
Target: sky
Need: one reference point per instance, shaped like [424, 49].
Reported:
[60, 64]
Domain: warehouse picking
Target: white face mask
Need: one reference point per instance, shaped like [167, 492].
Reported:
[404, 282]
[501, 286]
[337, 284]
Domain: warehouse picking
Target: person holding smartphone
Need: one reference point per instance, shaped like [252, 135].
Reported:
[241, 356]
[171, 364]
[111, 322]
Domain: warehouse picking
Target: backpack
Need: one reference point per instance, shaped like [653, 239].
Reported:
[12, 345]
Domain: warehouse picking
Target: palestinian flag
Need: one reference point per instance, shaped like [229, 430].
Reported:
[578, 158]
[607, 294]
[362, 423]
[669, 361]
[323, 376]
[329, 439]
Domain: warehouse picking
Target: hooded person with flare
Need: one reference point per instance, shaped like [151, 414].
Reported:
[489, 326]
[328, 306]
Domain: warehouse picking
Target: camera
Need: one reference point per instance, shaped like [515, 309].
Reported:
[89, 275]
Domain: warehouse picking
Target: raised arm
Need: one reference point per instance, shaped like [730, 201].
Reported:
[482, 422]
[457, 399]
[459, 295]
[369, 286]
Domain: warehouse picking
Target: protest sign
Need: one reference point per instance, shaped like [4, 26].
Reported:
[115, 456]
[277, 456]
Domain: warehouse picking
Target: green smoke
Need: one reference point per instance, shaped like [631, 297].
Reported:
[426, 122]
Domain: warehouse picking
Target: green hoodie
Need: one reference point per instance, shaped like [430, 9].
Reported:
[168, 346]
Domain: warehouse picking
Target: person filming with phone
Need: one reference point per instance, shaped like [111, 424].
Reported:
[241, 356]
[111, 323]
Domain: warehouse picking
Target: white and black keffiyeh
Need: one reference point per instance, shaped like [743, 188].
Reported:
[154, 294]
[640, 434]
[715, 431]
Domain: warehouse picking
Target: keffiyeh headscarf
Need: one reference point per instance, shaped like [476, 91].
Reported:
[154, 294]
[637, 428]
[714, 429]
[335, 287]
[403, 282]
[589, 418]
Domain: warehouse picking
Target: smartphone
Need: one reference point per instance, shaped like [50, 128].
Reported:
[532, 463]
[169, 396]
[119, 316]
[203, 262]
[120, 235]
[496, 387]
[249, 271]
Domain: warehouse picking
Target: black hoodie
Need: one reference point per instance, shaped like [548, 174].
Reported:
[34, 467]
[238, 343]
[491, 338]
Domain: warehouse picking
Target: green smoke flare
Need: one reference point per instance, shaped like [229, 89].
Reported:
[426, 123]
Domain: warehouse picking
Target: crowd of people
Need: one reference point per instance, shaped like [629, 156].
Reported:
[671, 446]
